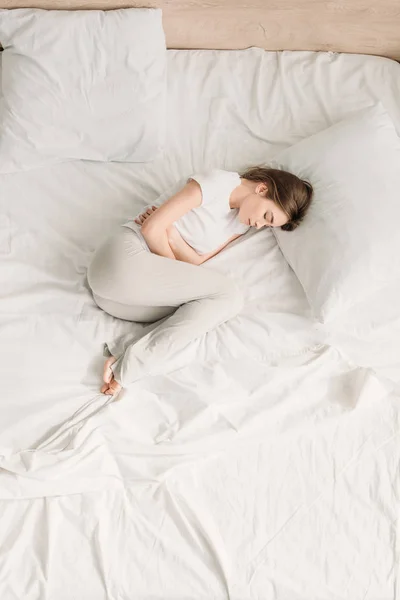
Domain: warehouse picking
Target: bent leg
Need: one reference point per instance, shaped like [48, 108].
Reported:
[114, 276]
[204, 300]
[139, 314]
[130, 283]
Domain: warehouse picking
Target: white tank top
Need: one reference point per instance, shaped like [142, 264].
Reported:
[211, 224]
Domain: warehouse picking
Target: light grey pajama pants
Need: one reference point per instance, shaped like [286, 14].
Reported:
[129, 282]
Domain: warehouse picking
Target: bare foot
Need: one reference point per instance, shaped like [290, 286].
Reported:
[111, 389]
[108, 375]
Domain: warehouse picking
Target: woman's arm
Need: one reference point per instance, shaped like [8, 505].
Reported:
[185, 253]
[182, 252]
[159, 244]
[174, 208]
[154, 228]
[163, 249]
[180, 248]
[163, 238]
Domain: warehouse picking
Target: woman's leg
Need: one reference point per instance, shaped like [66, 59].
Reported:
[130, 282]
[139, 314]
[112, 272]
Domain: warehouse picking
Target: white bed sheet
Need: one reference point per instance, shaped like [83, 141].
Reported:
[265, 464]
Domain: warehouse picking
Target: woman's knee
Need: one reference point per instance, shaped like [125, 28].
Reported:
[111, 263]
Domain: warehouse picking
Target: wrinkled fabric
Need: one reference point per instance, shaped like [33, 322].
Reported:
[267, 466]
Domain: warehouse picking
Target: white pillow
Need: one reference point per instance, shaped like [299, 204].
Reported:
[348, 247]
[81, 85]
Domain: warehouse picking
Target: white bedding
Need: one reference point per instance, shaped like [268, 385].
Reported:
[267, 466]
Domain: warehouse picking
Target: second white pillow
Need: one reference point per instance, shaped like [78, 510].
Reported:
[348, 247]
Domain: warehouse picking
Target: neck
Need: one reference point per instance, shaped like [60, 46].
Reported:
[245, 188]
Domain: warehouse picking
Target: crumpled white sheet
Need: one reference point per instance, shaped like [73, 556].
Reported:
[265, 464]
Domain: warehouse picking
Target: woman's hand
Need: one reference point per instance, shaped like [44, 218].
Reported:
[145, 215]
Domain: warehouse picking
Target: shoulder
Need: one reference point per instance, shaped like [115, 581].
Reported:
[215, 175]
[216, 181]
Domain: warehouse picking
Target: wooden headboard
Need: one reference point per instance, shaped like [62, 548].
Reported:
[359, 26]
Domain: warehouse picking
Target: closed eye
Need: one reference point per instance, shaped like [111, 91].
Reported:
[271, 219]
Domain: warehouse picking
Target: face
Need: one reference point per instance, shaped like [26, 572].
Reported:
[257, 210]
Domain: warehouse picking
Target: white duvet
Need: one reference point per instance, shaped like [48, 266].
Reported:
[265, 464]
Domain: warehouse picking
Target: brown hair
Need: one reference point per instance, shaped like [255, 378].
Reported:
[292, 194]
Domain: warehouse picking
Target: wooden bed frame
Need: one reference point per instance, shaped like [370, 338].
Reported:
[357, 26]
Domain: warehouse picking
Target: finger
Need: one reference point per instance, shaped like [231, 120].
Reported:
[149, 211]
[103, 388]
[154, 207]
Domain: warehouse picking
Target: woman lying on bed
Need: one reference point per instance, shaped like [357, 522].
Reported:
[149, 270]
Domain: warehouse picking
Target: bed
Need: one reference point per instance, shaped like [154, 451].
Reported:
[267, 465]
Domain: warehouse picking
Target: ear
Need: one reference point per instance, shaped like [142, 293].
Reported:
[262, 189]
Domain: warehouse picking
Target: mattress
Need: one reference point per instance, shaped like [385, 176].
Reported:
[260, 464]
